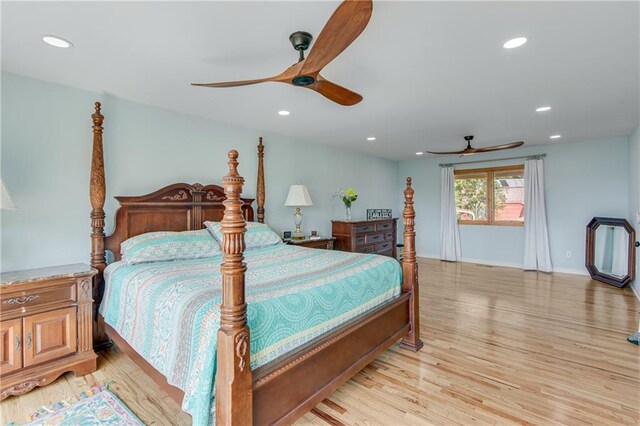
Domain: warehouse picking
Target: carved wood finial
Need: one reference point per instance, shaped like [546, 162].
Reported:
[233, 163]
[260, 190]
[233, 381]
[410, 271]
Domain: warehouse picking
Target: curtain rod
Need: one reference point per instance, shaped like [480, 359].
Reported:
[528, 157]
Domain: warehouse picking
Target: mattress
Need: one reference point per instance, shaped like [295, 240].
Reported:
[169, 312]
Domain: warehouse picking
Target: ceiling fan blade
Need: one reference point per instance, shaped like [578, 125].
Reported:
[344, 26]
[446, 152]
[235, 83]
[337, 94]
[500, 147]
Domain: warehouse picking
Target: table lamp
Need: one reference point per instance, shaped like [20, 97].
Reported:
[298, 197]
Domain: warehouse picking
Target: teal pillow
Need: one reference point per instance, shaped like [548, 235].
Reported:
[257, 235]
[166, 245]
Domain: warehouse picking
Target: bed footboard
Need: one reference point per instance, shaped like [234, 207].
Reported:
[317, 369]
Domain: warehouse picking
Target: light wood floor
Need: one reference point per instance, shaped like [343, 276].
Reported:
[502, 346]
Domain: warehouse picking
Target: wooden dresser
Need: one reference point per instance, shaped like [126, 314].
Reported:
[366, 236]
[46, 326]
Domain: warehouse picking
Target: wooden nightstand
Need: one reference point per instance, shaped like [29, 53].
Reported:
[46, 326]
[320, 243]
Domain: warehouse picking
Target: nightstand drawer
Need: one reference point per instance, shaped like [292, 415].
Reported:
[363, 229]
[60, 294]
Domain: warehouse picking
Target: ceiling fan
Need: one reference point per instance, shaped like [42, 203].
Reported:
[345, 25]
[470, 151]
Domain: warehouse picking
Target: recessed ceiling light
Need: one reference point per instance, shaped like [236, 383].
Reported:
[283, 113]
[555, 136]
[56, 41]
[371, 138]
[543, 109]
[419, 153]
[514, 42]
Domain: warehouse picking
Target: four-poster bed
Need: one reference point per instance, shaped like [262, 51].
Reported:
[244, 395]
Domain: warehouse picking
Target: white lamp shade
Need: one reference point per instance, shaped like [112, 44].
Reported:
[5, 199]
[298, 197]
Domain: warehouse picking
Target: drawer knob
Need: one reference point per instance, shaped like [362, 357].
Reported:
[21, 300]
[17, 339]
[29, 340]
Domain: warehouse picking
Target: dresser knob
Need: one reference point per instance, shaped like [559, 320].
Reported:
[17, 343]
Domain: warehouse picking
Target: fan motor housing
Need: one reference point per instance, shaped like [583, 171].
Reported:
[300, 40]
[303, 80]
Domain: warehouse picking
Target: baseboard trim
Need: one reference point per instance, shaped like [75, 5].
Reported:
[506, 264]
[572, 271]
[634, 287]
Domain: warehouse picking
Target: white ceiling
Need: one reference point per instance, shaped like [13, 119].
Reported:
[430, 72]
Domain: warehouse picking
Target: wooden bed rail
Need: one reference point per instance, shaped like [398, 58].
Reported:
[234, 384]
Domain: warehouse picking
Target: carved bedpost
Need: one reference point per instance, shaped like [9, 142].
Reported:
[260, 186]
[234, 384]
[410, 272]
[97, 190]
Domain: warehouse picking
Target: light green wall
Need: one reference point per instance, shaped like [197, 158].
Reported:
[46, 153]
[583, 180]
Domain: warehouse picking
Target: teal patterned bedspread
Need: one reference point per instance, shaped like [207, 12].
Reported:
[169, 312]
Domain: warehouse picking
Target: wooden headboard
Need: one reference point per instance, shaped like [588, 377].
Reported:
[177, 207]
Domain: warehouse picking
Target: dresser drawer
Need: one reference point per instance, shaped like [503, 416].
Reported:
[363, 229]
[384, 226]
[388, 236]
[383, 246]
[371, 248]
[374, 238]
[59, 294]
[361, 241]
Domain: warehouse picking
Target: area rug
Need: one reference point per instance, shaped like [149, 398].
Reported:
[98, 406]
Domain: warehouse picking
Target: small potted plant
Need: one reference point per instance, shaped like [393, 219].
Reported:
[348, 196]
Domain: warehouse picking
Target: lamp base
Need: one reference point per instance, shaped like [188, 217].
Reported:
[297, 234]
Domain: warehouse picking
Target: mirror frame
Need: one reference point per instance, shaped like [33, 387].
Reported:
[590, 262]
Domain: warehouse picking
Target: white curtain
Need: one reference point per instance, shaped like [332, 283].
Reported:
[536, 234]
[449, 233]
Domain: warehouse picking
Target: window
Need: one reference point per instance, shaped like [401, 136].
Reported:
[492, 196]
